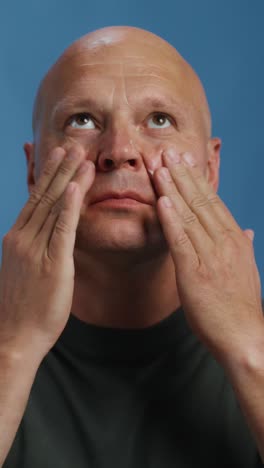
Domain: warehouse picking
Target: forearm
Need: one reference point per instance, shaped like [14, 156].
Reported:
[17, 375]
[246, 374]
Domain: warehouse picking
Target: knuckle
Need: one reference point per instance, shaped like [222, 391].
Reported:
[56, 209]
[189, 218]
[206, 274]
[6, 238]
[16, 245]
[213, 198]
[14, 241]
[61, 228]
[48, 199]
[198, 201]
[229, 238]
[48, 170]
[198, 176]
[35, 196]
[58, 205]
[181, 172]
[182, 239]
[65, 169]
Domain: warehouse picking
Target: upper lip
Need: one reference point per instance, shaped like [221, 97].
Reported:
[127, 194]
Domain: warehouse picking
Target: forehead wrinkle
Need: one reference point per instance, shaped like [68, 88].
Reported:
[161, 101]
[155, 60]
[68, 102]
[148, 75]
[119, 61]
[157, 97]
[124, 85]
[149, 98]
[137, 69]
[142, 63]
[75, 97]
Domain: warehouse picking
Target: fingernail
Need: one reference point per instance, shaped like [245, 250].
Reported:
[84, 167]
[173, 155]
[166, 202]
[189, 159]
[151, 172]
[165, 173]
[251, 234]
[72, 155]
[57, 154]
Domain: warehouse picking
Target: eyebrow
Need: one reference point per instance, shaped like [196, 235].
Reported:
[68, 103]
[156, 102]
[160, 101]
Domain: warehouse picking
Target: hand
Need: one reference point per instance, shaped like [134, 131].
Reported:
[37, 271]
[216, 272]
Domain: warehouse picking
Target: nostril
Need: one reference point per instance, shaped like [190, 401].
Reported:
[108, 163]
[132, 162]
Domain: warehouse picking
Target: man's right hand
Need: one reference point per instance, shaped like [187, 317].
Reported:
[37, 271]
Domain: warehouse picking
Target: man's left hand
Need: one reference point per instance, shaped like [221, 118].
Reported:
[217, 277]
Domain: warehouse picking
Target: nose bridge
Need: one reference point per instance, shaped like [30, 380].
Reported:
[121, 137]
[121, 129]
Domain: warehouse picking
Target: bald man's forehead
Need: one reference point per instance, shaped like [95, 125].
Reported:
[98, 60]
[85, 68]
[137, 56]
[137, 71]
[131, 80]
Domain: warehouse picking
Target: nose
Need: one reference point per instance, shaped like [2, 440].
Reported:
[119, 148]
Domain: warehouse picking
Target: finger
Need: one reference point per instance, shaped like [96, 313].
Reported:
[201, 241]
[250, 234]
[201, 202]
[61, 229]
[181, 248]
[216, 205]
[54, 191]
[53, 162]
[57, 237]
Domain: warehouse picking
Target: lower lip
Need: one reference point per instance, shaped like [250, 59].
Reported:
[119, 203]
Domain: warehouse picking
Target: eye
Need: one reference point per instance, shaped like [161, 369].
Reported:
[159, 121]
[82, 120]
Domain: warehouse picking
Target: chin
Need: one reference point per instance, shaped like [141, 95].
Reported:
[120, 235]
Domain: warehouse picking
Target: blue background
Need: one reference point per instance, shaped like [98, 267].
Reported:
[223, 41]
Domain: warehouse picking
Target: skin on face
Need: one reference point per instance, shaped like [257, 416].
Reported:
[122, 96]
[140, 98]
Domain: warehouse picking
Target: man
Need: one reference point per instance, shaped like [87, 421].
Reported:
[132, 330]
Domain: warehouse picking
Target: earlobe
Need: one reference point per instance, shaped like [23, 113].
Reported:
[213, 163]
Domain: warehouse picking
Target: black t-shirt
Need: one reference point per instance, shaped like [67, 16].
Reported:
[145, 398]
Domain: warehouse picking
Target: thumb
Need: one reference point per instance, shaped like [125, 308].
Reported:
[250, 234]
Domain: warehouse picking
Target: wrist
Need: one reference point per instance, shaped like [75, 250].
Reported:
[16, 353]
[246, 356]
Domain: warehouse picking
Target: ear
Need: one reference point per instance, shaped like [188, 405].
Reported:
[29, 149]
[213, 162]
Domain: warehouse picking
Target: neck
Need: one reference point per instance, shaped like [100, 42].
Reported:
[124, 295]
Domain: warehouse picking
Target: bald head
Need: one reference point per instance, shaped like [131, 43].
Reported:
[124, 45]
[122, 97]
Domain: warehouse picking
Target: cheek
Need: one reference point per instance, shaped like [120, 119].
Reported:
[46, 143]
[86, 145]
[153, 155]
[195, 145]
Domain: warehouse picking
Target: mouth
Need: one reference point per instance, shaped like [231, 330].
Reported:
[121, 199]
[116, 203]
